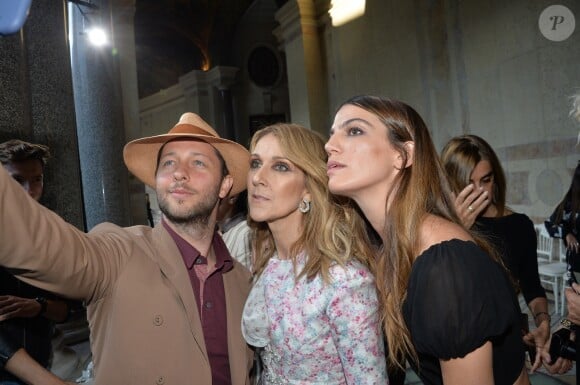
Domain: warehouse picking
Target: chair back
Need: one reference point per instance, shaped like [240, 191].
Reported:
[562, 250]
[545, 243]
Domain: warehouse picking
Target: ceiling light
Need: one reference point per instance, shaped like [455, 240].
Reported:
[343, 11]
[97, 36]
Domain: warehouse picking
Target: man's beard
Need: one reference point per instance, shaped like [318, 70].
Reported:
[198, 214]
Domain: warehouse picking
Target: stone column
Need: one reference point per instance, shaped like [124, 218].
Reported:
[299, 37]
[36, 95]
[207, 93]
[222, 78]
[100, 120]
[195, 85]
[125, 38]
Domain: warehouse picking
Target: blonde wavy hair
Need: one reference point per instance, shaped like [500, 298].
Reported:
[333, 232]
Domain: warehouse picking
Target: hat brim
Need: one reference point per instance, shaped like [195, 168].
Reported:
[140, 157]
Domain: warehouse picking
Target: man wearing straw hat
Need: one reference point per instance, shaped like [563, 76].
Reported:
[164, 304]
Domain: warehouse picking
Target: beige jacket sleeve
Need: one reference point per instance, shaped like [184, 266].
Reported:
[42, 249]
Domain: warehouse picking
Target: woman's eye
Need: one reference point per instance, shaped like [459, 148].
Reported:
[281, 167]
[198, 163]
[254, 163]
[354, 131]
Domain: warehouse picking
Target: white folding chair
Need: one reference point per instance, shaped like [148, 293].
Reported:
[552, 274]
[545, 244]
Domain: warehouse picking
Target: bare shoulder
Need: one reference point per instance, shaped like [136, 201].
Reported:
[435, 229]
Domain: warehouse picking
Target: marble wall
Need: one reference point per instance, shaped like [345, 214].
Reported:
[471, 67]
[37, 102]
[467, 66]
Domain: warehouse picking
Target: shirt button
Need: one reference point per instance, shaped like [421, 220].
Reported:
[160, 380]
[208, 305]
[158, 321]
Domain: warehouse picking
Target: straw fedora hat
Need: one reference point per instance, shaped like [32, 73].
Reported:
[140, 155]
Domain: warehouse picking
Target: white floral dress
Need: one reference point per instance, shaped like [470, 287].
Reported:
[312, 333]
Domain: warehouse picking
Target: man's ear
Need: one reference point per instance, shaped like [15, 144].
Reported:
[226, 186]
[409, 149]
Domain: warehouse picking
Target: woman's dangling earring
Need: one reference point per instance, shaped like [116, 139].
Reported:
[304, 206]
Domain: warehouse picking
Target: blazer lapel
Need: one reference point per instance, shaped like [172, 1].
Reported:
[237, 348]
[171, 264]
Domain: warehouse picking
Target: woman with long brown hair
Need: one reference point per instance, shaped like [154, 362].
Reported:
[448, 306]
[474, 171]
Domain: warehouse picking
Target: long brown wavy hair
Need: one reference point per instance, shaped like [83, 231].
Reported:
[420, 188]
[462, 154]
[333, 231]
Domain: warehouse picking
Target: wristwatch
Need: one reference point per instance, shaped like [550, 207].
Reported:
[43, 304]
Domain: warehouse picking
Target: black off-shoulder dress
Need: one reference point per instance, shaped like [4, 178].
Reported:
[458, 298]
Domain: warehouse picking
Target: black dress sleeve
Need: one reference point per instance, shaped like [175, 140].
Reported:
[529, 279]
[457, 299]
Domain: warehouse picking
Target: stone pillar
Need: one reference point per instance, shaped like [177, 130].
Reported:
[100, 120]
[36, 95]
[208, 94]
[195, 85]
[222, 78]
[299, 37]
[125, 38]
[228, 121]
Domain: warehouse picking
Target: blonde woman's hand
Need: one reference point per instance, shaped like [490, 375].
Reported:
[469, 203]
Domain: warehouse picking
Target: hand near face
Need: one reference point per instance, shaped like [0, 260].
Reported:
[17, 307]
[470, 203]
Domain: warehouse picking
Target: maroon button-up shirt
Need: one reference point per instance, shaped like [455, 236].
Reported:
[208, 287]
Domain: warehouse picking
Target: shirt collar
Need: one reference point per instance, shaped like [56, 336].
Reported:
[192, 256]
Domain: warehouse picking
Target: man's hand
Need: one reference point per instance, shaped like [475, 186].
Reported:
[469, 203]
[17, 307]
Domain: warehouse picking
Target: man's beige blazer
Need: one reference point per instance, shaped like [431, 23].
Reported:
[143, 317]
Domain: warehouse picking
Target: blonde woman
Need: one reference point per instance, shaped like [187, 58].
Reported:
[313, 309]
[447, 306]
